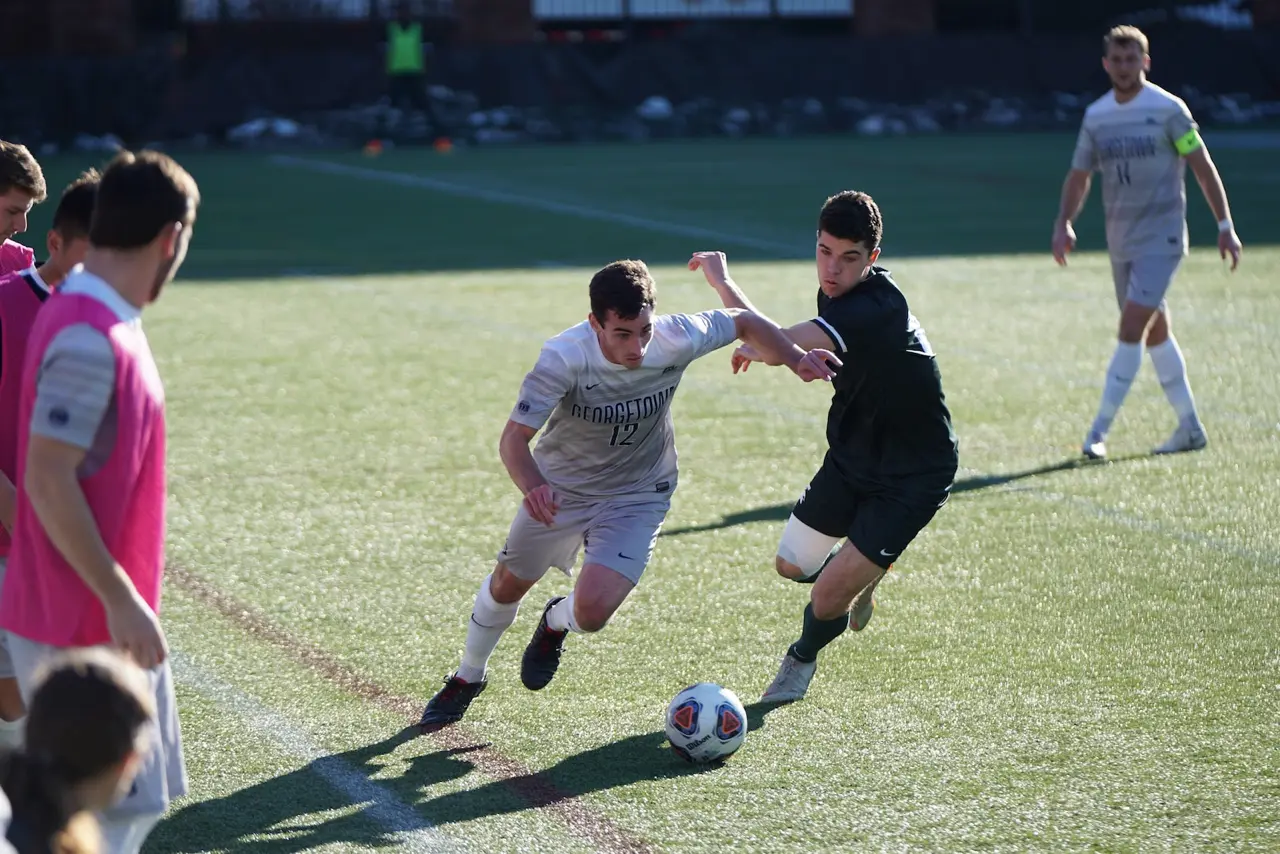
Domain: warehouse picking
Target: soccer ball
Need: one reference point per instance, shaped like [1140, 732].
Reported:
[706, 723]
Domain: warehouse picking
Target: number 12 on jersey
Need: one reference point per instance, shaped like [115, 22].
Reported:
[623, 433]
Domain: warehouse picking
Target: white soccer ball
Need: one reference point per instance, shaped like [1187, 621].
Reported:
[706, 723]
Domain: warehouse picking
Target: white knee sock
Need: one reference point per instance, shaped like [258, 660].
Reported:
[561, 619]
[1124, 366]
[489, 619]
[11, 733]
[1171, 368]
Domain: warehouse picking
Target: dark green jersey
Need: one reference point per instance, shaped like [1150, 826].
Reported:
[889, 416]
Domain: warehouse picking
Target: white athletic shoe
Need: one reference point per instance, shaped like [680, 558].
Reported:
[792, 680]
[1188, 437]
[1095, 448]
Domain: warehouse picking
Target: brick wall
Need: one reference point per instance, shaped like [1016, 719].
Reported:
[91, 27]
[893, 17]
[494, 21]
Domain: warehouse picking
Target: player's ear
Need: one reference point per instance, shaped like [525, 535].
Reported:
[169, 239]
[1146, 62]
[53, 242]
[875, 253]
[595, 322]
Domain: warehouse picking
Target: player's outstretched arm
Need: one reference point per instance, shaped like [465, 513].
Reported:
[715, 267]
[770, 342]
[539, 499]
[1206, 172]
[1075, 189]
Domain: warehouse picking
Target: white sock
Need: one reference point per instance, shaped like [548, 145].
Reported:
[1171, 368]
[561, 619]
[11, 733]
[1124, 366]
[489, 619]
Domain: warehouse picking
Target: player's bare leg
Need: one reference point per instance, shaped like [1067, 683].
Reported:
[1171, 369]
[598, 594]
[846, 575]
[12, 711]
[863, 604]
[495, 609]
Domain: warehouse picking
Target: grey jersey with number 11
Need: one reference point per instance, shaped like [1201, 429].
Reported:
[1144, 193]
[608, 428]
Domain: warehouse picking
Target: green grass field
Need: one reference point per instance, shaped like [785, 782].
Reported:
[1069, 658]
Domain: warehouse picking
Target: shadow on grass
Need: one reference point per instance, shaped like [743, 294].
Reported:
[780, 512]
[296, 811]
[636, 759]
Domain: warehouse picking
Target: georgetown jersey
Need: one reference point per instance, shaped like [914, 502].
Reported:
[1137, 147]
[608, 428]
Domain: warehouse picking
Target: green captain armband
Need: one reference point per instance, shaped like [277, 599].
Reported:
[1188, 142]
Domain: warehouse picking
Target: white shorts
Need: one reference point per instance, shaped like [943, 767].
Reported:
[6, 662]
[619, 533]
[1145, 280]
[163, 776]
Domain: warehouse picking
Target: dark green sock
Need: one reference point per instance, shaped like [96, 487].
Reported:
[817, 634]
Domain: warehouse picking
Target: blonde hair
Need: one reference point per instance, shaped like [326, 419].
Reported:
[1126, 34]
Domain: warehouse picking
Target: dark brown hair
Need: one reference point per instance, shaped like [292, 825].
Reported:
[75, 208]
[852, 215]
[88, 714]
[624, 287]
[139, 196]
[19, 170]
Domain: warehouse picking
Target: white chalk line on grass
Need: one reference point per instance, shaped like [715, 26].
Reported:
[538, 203]
[403, 826]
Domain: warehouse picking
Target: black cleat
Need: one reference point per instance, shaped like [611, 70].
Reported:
[450, 703]
[542, 655]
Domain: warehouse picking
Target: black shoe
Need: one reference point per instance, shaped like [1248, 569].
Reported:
[450, 702]
[542, 655]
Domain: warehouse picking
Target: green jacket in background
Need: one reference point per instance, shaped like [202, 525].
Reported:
[404, 48]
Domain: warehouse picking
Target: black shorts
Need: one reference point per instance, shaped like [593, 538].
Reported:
[879, 520]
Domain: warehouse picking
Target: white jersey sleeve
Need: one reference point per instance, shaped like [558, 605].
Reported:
[692, 336]
[1085, 157]
[543, 388]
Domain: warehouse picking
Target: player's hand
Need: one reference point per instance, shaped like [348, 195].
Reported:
[541, 504]
[743, 357]
[135, 630]
[1064, 241]
[1229, 244]
[817, 365]
[713, 265]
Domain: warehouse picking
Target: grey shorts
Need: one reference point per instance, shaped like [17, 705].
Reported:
[1145, 280]
[163, 776]
[619, 533]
